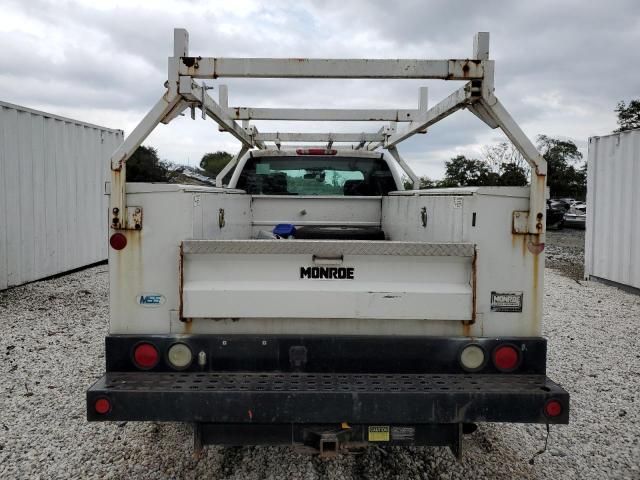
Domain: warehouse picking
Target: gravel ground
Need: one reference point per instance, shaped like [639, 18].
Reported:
[52, 349]
[565, 252]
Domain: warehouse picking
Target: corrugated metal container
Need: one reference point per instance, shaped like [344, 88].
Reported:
[53, 209]
[612, 243]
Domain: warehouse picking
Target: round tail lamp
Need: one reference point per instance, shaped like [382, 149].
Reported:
[506, 358]
[102, 406]
[145, 356]
[552, 408]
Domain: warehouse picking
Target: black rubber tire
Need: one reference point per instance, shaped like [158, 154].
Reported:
[315, 232]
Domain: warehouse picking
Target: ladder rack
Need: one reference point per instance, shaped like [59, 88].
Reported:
[476, 95]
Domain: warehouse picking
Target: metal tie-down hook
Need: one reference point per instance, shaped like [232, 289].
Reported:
[204, 92]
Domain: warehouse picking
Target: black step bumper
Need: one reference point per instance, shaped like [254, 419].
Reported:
[306, 398]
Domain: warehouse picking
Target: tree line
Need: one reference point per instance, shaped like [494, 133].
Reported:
[145, 165]
[500, 165]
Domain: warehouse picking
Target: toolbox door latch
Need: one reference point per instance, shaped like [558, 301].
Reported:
[298, 356]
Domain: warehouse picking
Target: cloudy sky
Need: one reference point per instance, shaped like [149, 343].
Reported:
[561, 66]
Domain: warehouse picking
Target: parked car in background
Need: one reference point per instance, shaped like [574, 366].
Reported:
[563, 202]
[576, 216]
[555, 214]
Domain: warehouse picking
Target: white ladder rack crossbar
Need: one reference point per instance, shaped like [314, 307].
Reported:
[477, 95]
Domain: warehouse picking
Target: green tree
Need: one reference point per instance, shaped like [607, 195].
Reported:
[505, 159]
[145, 166]
[563, 178]
[425, 182]
[213, 163]
[628, 115]
[502, 153]
[467, 172]
[513, 175]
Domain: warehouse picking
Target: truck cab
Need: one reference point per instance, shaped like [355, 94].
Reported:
[312, 301]
[317, 171]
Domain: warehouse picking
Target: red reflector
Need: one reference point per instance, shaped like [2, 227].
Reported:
[118, 241]
[102, 406]
[553, 408]
[316, 151]
[506, 358]
[145, 355]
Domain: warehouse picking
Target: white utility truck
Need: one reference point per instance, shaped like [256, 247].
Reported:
[313, 301]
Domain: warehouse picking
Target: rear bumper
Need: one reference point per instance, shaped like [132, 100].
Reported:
[307, 398]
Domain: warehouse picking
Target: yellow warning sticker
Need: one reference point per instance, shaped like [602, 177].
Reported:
[379, 433]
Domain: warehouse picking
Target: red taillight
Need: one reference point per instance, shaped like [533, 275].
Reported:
[102, 406]
[553, 408]
[145, 355]
[118, 241]
[316, 151]
[506, 358]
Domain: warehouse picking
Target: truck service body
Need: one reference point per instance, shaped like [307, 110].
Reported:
[373, 314]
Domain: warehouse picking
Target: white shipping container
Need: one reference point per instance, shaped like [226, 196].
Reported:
[612, 242]
[52, 203]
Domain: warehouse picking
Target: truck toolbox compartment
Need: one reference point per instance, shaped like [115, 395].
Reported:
[275, 397]
[327, 279]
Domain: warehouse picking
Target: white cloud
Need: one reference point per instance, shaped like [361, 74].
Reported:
[560, 66]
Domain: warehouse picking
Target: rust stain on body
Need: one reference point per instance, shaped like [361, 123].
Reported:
[466, 328]
[188, 325]
[129, 273]
[466, 325]
[187, 322]
[189, 61]
[523, 243]
[180, 282]
[534, 292]
[474, 285]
